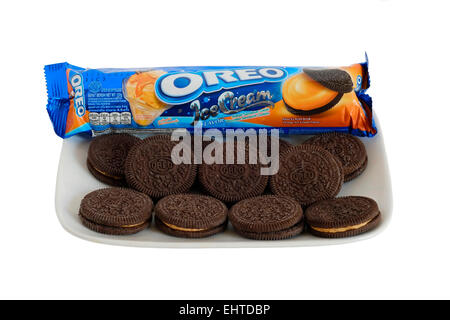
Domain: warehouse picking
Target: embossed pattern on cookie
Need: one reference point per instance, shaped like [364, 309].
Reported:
[348, 149]
[149, 168]
[308, 174]
[233, 182]
[116, 211]
[267, 217]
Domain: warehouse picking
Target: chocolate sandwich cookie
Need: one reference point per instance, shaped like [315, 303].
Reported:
[342, 217]
[149, 168]
[267, 217]
[348, 149]
[315, 90]
[233, 182]
[357, 172]
[308, 174]
[116, 211]
[106, 157]
[190, 215]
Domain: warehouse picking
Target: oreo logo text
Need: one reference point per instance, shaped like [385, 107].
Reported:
[183, 87]
[76, 81]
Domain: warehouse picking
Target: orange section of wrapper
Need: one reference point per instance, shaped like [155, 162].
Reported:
[347, 111]
[355, 70]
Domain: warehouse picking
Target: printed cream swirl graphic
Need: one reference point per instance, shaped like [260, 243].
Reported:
[140, 93]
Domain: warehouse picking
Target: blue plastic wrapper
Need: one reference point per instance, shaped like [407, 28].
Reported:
[295, 100]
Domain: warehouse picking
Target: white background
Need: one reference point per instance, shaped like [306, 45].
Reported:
[407, 43]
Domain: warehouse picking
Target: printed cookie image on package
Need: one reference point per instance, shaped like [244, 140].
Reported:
[315, 90]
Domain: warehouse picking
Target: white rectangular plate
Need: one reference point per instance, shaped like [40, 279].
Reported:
[74, 181]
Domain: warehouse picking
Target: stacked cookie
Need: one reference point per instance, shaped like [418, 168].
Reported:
[195, 201]
[116, 211]
[267, 217]
[106, 157]
[191, 215]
